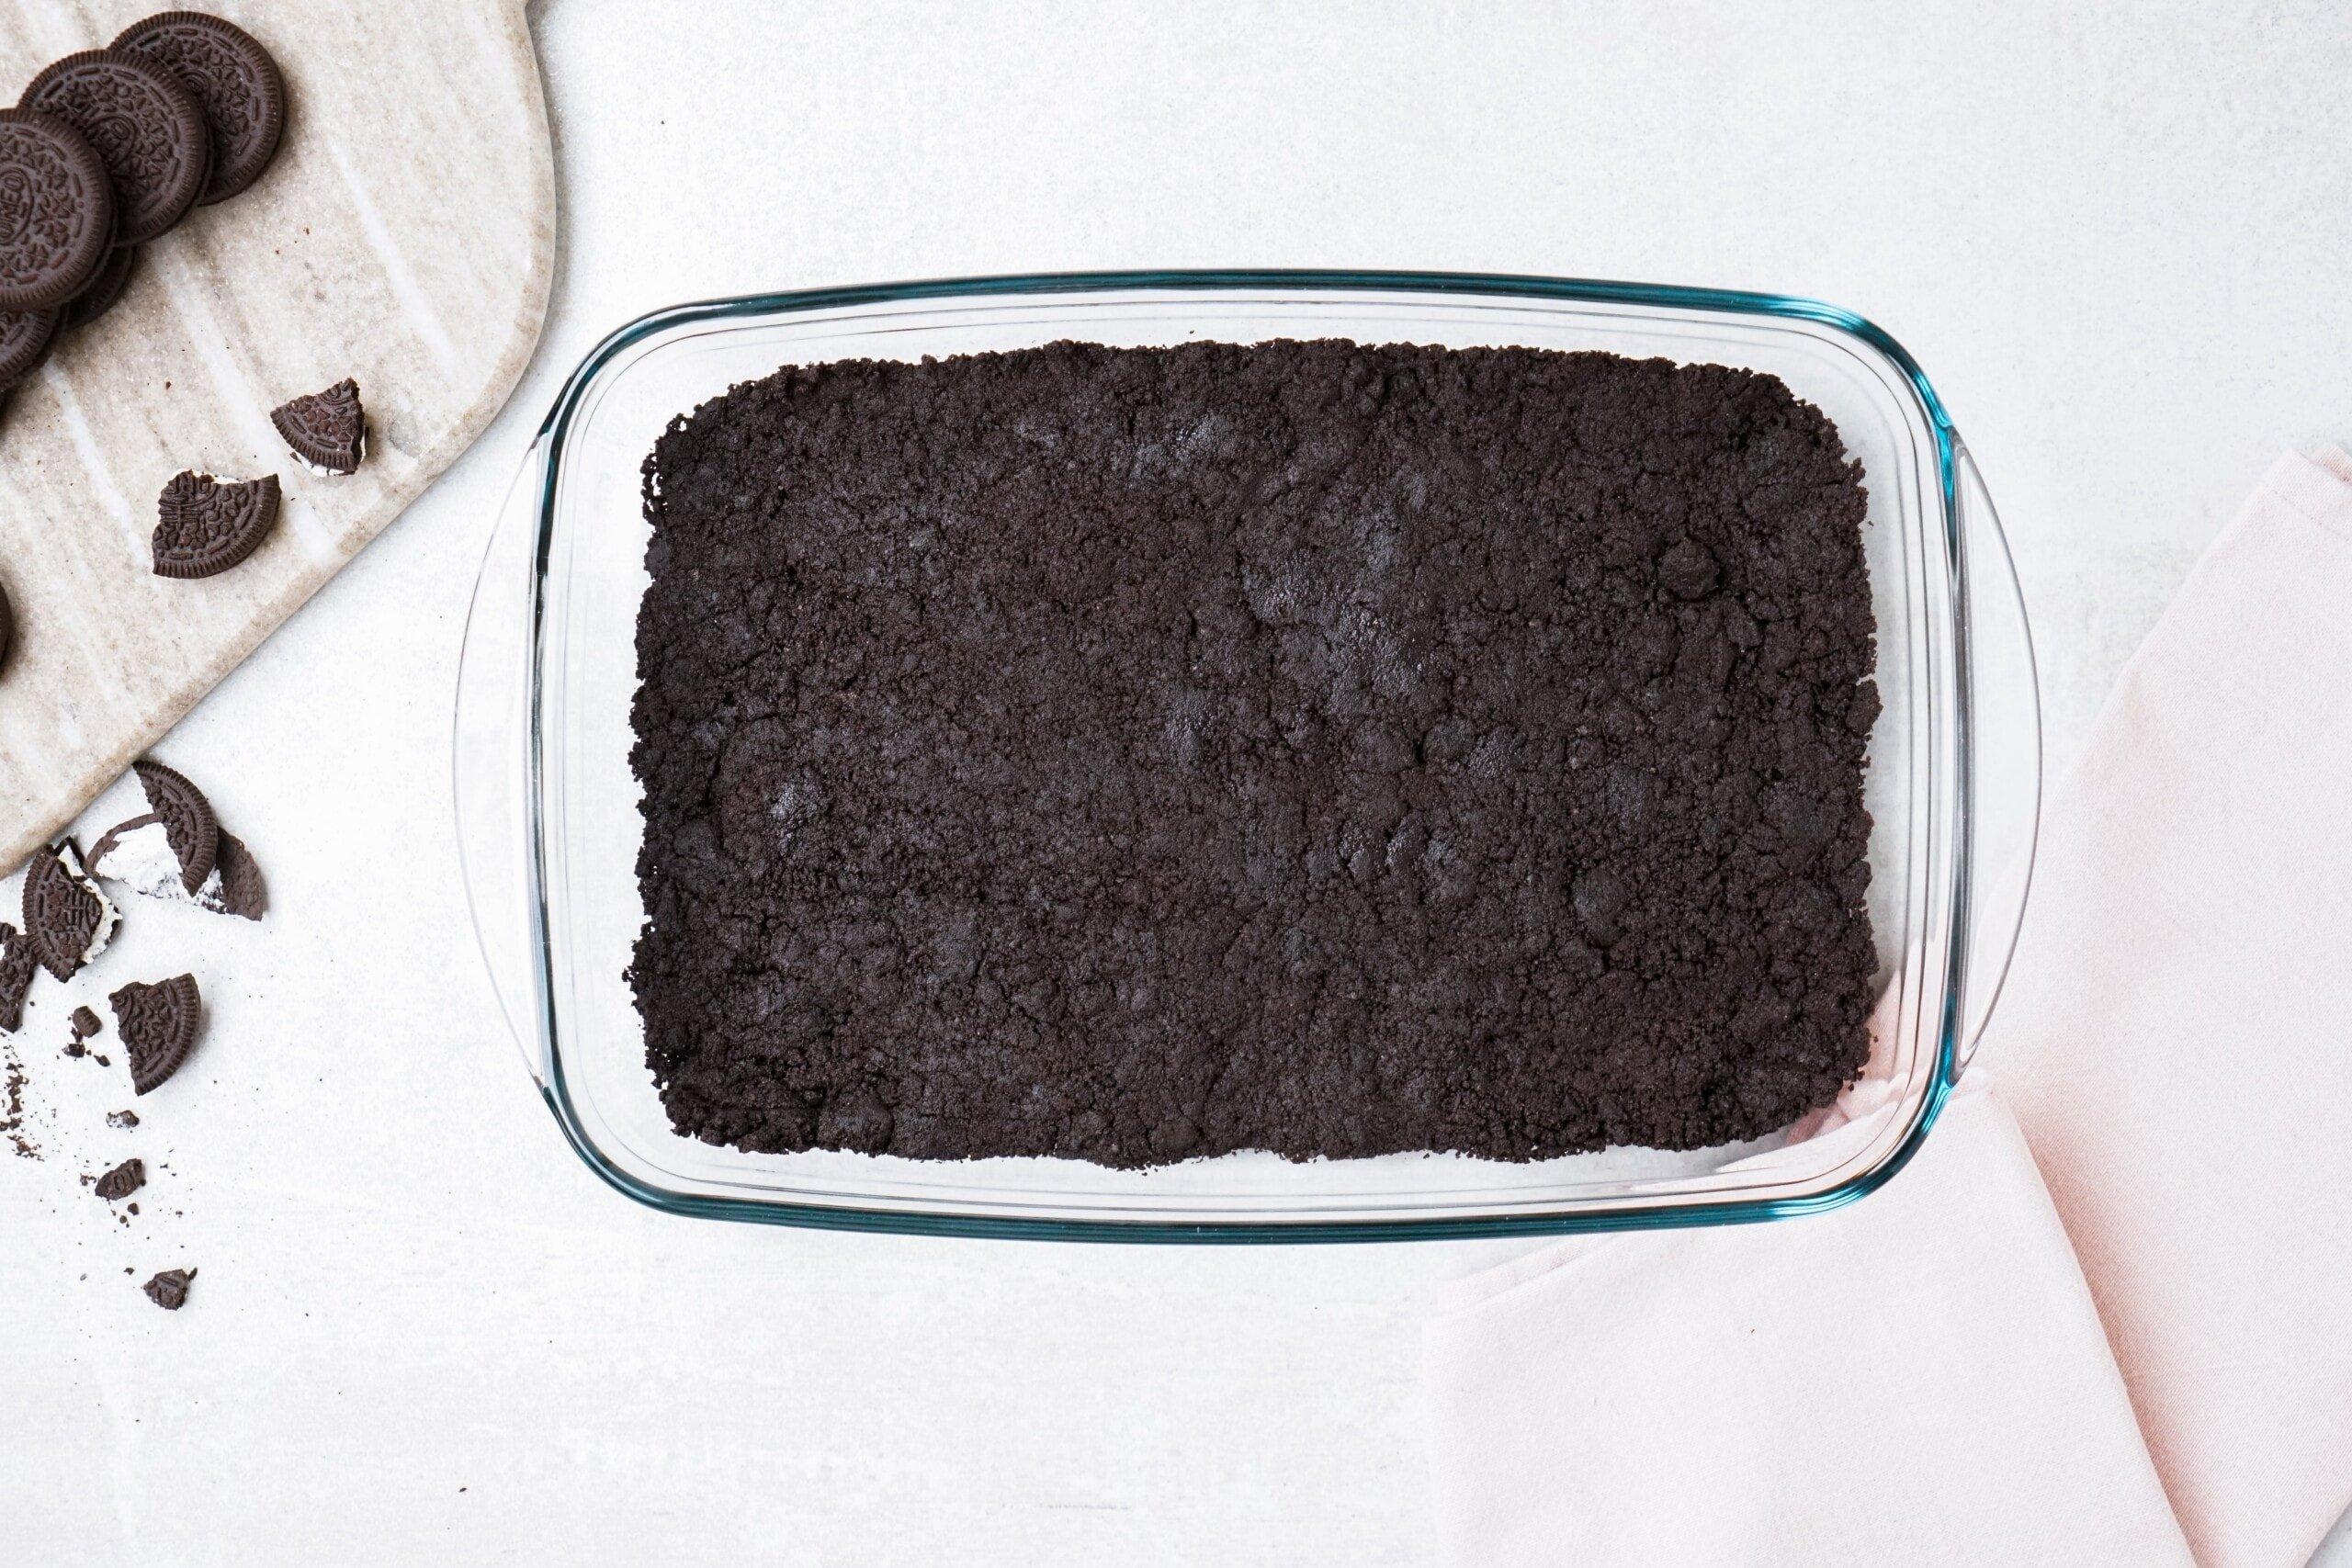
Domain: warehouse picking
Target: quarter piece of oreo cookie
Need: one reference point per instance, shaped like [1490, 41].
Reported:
[233, 76]
[243, 892]
[69, 920]
[158, 1025]
[103, 292]
[168, 1290]
[122, 1180]
[149, 131]
[17, 963]
[326, 431]
[206, 525]
[26, 338]
[56, 211]
[189, 826]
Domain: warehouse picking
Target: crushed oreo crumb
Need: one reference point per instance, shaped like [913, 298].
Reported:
[1138, 755]
[168, 1290]
[122, 1182]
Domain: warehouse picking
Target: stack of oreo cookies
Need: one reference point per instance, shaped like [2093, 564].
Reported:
[111, 147]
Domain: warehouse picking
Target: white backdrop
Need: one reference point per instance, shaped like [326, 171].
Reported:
[2115, 233]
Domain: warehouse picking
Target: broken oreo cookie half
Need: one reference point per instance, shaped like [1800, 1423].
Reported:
[190, 830]
[67, 919]
[327, 432]
[177, 850]
[158, 1025]
[204, 525]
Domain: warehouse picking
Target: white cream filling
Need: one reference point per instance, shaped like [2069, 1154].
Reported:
[326, 473]
[142, 861]
[107, 914]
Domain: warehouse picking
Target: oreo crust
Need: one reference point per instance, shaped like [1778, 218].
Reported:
[147, 130]
[158, 1024]
[1137, 755]
[204, 525]
[17, 963]
[327, 430]
[233, 78]
[57, 215]
[64, 913]
[193, 832]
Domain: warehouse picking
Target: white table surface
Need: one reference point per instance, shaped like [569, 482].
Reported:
[2115, 233]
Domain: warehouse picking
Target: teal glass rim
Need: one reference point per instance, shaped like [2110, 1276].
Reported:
[538, 1005]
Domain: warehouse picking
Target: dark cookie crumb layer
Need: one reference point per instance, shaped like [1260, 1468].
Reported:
[1142, 754]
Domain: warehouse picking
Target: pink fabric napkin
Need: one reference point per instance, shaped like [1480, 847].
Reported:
[2175, 1038]
[1919, 1378]
[1923, 1377]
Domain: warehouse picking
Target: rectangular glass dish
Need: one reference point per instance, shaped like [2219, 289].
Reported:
[548, 810]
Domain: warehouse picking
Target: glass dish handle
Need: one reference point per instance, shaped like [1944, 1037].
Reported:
[491, 762]
[2005, 756]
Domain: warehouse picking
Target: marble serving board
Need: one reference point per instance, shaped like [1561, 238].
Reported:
[404, 237]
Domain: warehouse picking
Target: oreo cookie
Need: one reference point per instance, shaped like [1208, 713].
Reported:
[206, 525]
[26, 338]
[233, 76]
[68, 919]
[147, 130]
[56, 211]
[189, 826]
[17, 963]
[158, 1025]
[103, 292]
[327, 431]
[168, 1290]
[84, 1022]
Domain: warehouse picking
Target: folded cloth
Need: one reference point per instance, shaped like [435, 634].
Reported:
[2175, 1037]
[1918, 1378]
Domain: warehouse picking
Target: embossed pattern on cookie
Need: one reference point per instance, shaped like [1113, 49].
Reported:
[56, 211]
[233, 76]
[206, 525]
[328, 431]
[147, 130]
[158, 1026]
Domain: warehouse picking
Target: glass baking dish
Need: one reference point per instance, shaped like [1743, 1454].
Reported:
[548, 808]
